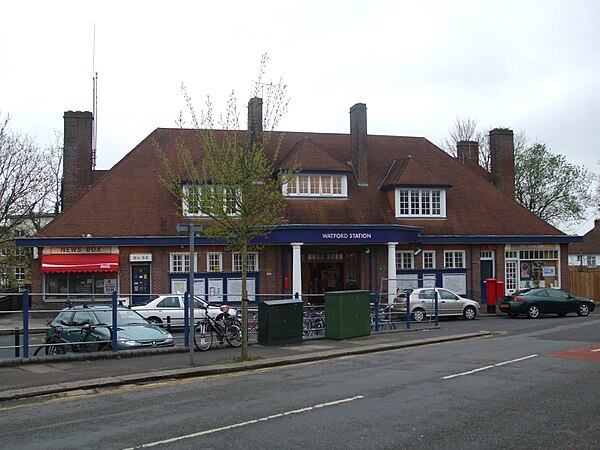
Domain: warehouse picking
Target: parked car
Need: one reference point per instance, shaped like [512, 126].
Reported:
[422, 304]
[536, 301]
[133, 331]
[172, 306]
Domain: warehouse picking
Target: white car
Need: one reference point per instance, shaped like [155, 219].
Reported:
[172, 307]
[422, 304]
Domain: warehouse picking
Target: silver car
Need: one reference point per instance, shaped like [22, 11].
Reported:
[422, 304]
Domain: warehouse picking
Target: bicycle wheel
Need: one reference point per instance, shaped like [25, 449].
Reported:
[307, 327]
[37, 350]
[54, 349]
[233, 335]
[319, 326]
[203, 337]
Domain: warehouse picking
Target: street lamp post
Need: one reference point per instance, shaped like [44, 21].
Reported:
[191, 228]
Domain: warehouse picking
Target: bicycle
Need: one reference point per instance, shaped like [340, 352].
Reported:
[253, 324]
[225, 326]
[313, 323]
[56, 344]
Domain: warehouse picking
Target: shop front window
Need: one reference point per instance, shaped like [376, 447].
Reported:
[533, 267]
[80, 285]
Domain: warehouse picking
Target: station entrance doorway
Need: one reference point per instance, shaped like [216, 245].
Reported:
[330, 268]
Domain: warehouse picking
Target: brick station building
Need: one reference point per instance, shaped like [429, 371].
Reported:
[368, 211]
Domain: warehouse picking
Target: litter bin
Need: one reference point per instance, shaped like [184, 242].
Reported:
[280, 322]
[347, 314]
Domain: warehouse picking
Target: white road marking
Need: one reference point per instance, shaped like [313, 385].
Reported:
[470, 372]
[596, 350]
[249, 422]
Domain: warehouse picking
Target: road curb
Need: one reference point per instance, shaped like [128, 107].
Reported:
[217, 369]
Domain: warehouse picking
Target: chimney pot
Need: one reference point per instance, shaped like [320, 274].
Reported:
[77, 156]
[502, 153]
[358, 136]
[255, 120]
[467, 153]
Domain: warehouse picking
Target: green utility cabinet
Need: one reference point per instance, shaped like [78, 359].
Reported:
[347, 314]
[280, 322]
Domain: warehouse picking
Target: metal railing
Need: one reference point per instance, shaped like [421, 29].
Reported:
[22, 331]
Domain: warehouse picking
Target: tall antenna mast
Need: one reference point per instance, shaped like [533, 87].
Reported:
[94, 103]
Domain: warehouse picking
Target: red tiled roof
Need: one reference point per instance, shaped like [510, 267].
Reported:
[408, 172]
[130, 201]
[311, 157]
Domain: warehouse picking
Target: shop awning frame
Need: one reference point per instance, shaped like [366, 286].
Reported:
[105, 262]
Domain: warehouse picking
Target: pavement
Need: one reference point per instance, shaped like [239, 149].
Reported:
[45, 375]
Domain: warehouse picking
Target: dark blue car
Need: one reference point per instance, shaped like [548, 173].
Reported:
[536, 301]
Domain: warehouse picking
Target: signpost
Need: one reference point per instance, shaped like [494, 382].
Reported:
[192, 229]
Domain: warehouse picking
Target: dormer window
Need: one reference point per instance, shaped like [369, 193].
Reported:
[420, 203]
[316, 185]
[194, 197]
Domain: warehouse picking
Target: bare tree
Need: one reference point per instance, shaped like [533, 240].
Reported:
[234, 190]
[25, 179]
[465, 129]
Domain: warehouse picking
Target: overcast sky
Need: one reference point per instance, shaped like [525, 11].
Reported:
[418, 65]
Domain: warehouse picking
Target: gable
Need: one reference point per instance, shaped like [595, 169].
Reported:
[311, 158]
[408, 172]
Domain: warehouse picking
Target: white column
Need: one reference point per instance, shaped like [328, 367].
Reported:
[391, 271]
[296, 269]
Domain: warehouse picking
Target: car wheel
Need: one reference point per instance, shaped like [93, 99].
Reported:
[155, 320]
[418, 315]
[469, 313]
[583, 310]
[533, 312]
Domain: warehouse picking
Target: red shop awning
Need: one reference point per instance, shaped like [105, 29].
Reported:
[106, 262]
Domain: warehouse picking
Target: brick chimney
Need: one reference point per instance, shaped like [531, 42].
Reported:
[255, 120]
[467, 153]
[358, 136]
[77, 156]
[502, 152]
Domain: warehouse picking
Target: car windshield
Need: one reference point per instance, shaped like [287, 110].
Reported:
[124, 317]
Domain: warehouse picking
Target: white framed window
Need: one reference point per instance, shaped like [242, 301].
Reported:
[510, 278]
[486, 254]
[179, 262]
[591, 261]
[420, 202]
[454, 259]
[192, 200]
[428, 259]
[214, 262]
[3, 251]
[405, 260]
[19, 273]
[315, 185]
[252, 262]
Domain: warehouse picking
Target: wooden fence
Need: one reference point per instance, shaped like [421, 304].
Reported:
[585, 284]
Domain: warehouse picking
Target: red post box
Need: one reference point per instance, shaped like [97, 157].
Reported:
[491, 289]
[499, 291]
